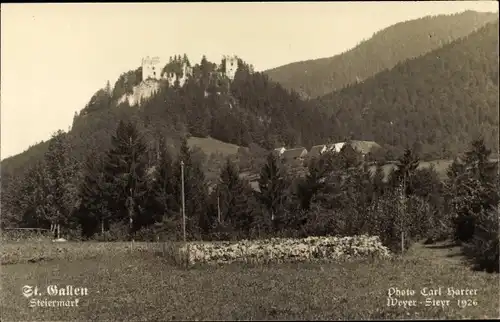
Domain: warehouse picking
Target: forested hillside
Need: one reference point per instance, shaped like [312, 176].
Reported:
[384, 50]
[437, 102]
[249, 109]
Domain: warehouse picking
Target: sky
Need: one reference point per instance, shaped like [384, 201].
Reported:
[55, 56]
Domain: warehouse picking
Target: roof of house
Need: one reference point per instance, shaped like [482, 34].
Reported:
[316, 150]
[294, 153]
[336, 147]
[362, 146]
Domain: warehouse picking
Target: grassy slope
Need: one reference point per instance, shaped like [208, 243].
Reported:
[209, 146]
[132, 287]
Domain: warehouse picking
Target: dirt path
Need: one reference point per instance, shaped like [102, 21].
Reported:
[440, 253]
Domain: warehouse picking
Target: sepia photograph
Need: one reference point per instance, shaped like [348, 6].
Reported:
[229, 161]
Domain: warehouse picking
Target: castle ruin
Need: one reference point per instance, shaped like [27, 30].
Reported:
[171, 77]
[151, 68]
[231, 66]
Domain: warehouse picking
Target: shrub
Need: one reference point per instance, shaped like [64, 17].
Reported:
[146, 234]
[116, 232]
[74, 234]
[420, 216]
[17, 235]
[483, 249]
[222, 231]
[471, 201]
[322, 221]
[441, 229]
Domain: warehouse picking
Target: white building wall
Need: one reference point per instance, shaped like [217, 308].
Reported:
[231, 66]
[151, 68]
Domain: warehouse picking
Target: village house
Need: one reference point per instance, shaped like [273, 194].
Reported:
[294, 154]
[363, 147]
[317, 150]
[336, 147]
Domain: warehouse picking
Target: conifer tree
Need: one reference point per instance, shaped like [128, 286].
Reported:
[473, 191]
[195, 192]
[378, 180]
[31, 202]
[405, 170]
[272, 186]
[348, 156]
[125, 171]
[108, 89]
[61, 180]
[163, 186]
[95, 196]
[315, 180]
[234, 196]
[477, 160]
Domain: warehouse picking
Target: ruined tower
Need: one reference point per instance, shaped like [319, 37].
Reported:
[151, 68]
[231, 66]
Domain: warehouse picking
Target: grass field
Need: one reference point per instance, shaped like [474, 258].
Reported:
[132, 285]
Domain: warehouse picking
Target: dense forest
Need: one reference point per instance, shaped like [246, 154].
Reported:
[130, 192]
[388, 47]
[436, 102]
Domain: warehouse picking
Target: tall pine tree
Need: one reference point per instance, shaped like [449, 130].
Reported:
[125, 171]
[62, 173]
[272, 186]
[234, 194]
[31, 202]
[95, 196]
[474, 191]
[163, 186]
[405, 170]
[195, 192]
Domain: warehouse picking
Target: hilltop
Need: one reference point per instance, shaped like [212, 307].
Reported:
[385, 49]
[436, 103]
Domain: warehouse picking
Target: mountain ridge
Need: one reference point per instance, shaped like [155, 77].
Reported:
[317, 77]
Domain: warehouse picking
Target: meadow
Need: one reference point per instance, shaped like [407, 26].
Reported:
[210, 145]
[137, 282]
